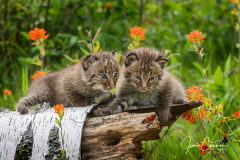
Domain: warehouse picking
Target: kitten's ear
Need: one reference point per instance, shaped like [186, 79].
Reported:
[162, 61]
[130, 58]
[88, 62]
[114, 52]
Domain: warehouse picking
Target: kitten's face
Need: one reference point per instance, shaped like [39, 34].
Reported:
[101, 70]
[144, 68]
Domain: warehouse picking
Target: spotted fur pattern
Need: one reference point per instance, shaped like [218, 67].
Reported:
[76, 85]
[146, 82]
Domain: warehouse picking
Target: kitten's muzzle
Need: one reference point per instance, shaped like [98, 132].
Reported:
[143, 89]
[111, 86]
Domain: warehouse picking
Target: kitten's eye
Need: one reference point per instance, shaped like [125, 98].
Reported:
[138, 77]
[151, 78]
[115, 75]
[103, 76]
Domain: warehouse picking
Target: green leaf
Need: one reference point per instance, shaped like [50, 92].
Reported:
[38, 63]
[58, 122]
[73, 40]
[98, 31]
[89, 45]
[64, 35]
[175, 54]
[173, 66]
[63, 136]
[25, 35]
[228, 64]
[218, 76]
[20, 49]
[232, 153]
[84, 51]
[205, 70]
[198, 66]
[70, 59]
[83, 41]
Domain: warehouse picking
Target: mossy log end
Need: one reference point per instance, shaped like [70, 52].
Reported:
[119, 136]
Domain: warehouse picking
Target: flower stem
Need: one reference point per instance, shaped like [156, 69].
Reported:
[41, 61]
[239, 48]
[62, 139]
[41, 54]
[5, 103]
[200, 59]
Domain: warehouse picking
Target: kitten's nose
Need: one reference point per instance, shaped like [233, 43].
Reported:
[143, 88]
[111, 86]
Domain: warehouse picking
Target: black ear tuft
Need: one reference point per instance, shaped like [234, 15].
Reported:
[162, 61]
[130, 58]
[88, 62]
[114, 52]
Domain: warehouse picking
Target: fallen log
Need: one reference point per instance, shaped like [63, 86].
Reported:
[118, 136]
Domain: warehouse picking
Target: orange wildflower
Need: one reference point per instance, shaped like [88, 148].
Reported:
[137, 31]
[189, 116]
[204, 146]
[108, 5]
[59, 108]
[236, 115]
[7, 92]
[194, 93]
[39, 74]
[195, 36]
[203, 115]
[37, 33]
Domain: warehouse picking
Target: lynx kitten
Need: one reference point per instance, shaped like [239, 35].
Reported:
[94, 76]
[144, 82]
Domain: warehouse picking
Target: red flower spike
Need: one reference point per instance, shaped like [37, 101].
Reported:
[204, 146]
[106, 5]
[39, 74]
[137, 31]
[236, 115]
[195, 36]
[37, 33]
[7, 92]
[59, 108]
[194, 94]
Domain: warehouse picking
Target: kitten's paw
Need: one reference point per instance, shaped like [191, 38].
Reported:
[101, 112]
[111, 109]
[179, 101]
[164, 115]
[23, 110]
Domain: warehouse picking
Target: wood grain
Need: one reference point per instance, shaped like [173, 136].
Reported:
[119, 136]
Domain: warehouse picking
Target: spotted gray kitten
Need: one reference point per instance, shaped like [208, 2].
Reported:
[94, 76]
[144, 82]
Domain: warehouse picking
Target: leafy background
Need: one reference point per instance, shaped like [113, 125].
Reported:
[66, 22]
